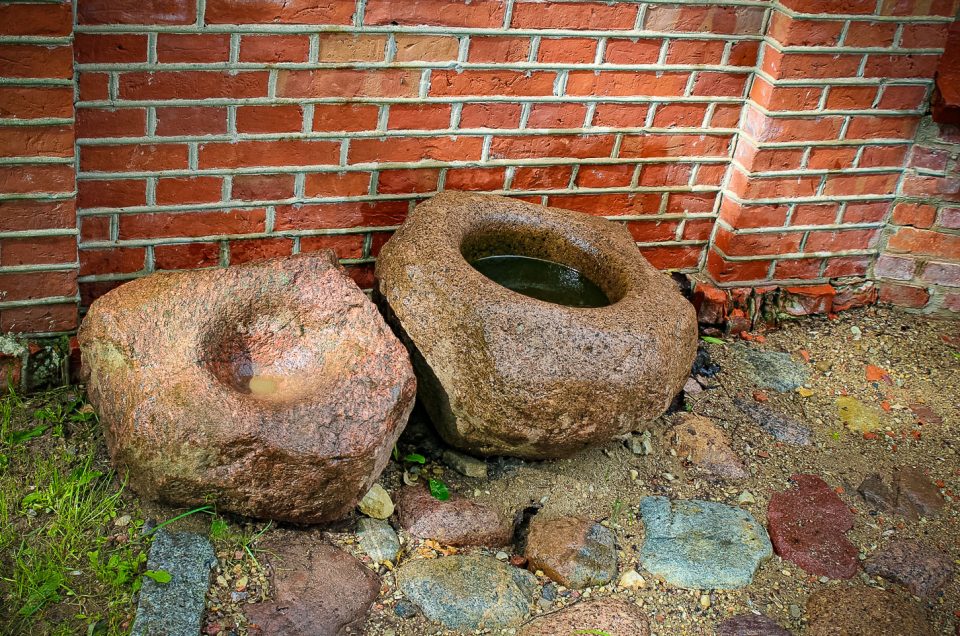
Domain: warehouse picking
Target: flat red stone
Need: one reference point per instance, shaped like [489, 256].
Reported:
[808, 524]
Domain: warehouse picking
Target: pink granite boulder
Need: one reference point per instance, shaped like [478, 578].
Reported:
[273, 389]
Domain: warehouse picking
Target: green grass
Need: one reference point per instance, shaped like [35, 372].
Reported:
[71, 551]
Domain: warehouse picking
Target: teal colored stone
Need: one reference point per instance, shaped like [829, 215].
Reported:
[701, 544]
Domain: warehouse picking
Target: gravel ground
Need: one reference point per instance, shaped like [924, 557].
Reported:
[607, 483]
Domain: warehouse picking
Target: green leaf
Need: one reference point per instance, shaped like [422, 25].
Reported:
[956, 354]
[415, 458]
[712, 340]
[160, 576]
[396, 453]
[19, 437]
[439, 490]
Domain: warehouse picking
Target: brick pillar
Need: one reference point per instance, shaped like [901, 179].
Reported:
[38, 243]
[824, 139]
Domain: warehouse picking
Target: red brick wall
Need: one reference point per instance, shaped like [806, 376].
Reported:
[38, 245]
[211, 132]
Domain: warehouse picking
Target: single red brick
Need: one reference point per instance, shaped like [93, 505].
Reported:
[139, 85]
[697, 229]
[475, 179]
[491, 82]
[810, 65]
[37, 319]
[903, 295]
[93, 86]
[910, 65]
[36, 141]
[180, 190]
[744, 53]
[269, 119]
[914, 214]
[903, 97]
[191, 120]
[705, 18]
[614, 204]
[345, 245]
[378, 240]
[51, 19]
[193, 47]
[262, 187]
[137, 12]
[37, 285]
[791, 31]
[272, 49]
[814, 214]
[94, 228]
[710, 174]
[929, 158]
[38, 250]
[113, 260]
[426, 48]
[785, 97]
[566, 146]
[497, 49]
[454, 13]
[841, 240]
[190, 224]
[36, 61]
[341, 215]
[877, 156]
[26, 179]
[109, 48]
[336, 184]
[851, 184]
[133, 157]
[352, 47]
[669, 257]
[567, 50]
[832, 158]
[333, 82]
[95, 123]
[618, 115]
[280, 152]
[415, 149]
[613, 176]
[557, 115]
[921, 35]
[346, 117]
[674, 145]
[680, 115]
[918, 7]
[627, 83]
[186, 255]
[739, 244]
[870, 127]
[725, 271]
[665, 174]
[573, 15]
[798, 268]
[18, 215]
[419, 116]
[752, 216]
[490, 115]
[271, 11]
[706, 52]
[31, 102]
[652, 230]
[630, 51]
[831, 6]
[408, 181]
[851, 97]
[846, 266]
[255, 249]
[691, 202]
[866, 212]
[870, 34]
[726, 115]
[541, 177]
[111, 193]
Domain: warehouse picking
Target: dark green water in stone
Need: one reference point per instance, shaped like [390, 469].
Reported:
[543, 280]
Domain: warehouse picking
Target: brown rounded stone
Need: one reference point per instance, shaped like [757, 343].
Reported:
[573, 551]
[315, 589]
[456, 521]
[504, 373]
[864, 611]
[273, 388]
[705, 445]
[607, 616]
[924, 570]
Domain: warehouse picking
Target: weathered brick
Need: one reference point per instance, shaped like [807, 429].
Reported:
[348, 83]
[619, 115]
[475, 179]
[567, 50]
[870, 34]
[619, 83]
[47, 318]
[348, 47]
[193, 47]
[345, 245]
[613, 176]
[941, 274]
[112, 260]
[418, 116]
[557, 115]
[283, 118]
[93, 123]
[278, 12]
[631, 51]
[541, 177]
[36, 141]
[181, 190]
[576, 15]
[111, 193]
[914, 214]
[247, 250]
[492, 82]
[415, 149]
[191, 120]
[133, 157]
[903, 295]
[30, 60]
[725, 271]
[490, 115]
[427, 48]
[19, 215]
[36, 285]
[108, 48]
[93, 86]
[36, 178]
[186, 256]
[32, 102]
[695, 52]
[137, 12]
[271, 49]
[336, 184]
[341, 215]
[408, 181]
[139, 85]
[674, 145]
[345, 117]
[497, 49]
[527, 146]
[49, 19]
[190, 224]
[40, 250]
[454, 13]
[262, 187]
[916, 241]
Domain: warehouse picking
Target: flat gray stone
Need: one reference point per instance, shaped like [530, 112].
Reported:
[701, 544]
[465, 464]
[377, 539]
[783, 428]
[468, 592]
[175, 608]
[771, 369]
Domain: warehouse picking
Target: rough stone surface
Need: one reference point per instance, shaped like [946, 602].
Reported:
[808, 526]
[456, 521]
[782, 427]
[378, 540]
[573, 551]
[701, 544]
[876, 493]
[924, 570]
[316, 588]
[771, 369]
[504, 374]
[273, 388]
[468, 592]
[609, 616]
[376, 503]
[177, 607]
[465, 465]
[857, 416]
[863, 611]
[704, 444]
[751, 625]
[915, 488]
